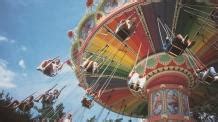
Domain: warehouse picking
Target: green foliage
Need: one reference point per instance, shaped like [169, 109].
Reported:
[11, 115]
[50, 112]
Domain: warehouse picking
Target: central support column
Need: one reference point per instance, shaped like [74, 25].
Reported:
[168, 103]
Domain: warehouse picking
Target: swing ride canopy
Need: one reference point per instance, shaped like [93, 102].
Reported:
[95, 38]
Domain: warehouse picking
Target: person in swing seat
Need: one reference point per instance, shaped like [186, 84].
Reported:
[54, 95]
[209, 75]
[178, 45]
[68, 117]
[185, 41]
[49, 96]
[86, 62]
[136, 81]
[133, 78]
[90, 66]
[167, 45]
[89, 97]
[24, 105]
[86, 102]
[50, 67]
[141, 82]
[125, 29]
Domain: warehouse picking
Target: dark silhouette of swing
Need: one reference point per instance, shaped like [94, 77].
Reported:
[125, 29]
[178, 46]
[87, 101]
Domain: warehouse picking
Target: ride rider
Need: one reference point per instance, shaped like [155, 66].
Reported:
[50, 67]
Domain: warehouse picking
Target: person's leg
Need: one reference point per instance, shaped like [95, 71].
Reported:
[39, 98]
[136, 87]
[205, 74]
[216, 78]
[212, 71]
[142, 82]
[42, 65]
[55, 69]
[89, 66]
[48, 70]
[14, 103]
[190, 43]
[167, 44]
[130, 83]
[95, 67]
[133, 80]
[118, 28]
[131, 74]
[85, 63]
[131, 86]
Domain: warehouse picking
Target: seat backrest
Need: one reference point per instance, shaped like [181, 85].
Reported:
[178, 42]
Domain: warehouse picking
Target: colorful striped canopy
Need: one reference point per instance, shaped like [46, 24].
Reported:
[96, 39]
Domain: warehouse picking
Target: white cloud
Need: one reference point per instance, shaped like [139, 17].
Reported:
[22, 64]
[3, 39]
[6, 76]
[12, 41]
[3, 63]
[23, 48]
[24, 74]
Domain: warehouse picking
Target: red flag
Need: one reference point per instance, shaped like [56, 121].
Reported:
[68, 62]
[70, 34]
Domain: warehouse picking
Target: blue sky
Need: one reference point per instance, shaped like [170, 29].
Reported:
[34, 30]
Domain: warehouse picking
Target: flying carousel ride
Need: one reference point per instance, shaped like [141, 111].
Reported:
[154, 59]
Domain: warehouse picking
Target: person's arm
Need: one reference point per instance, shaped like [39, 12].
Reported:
[61, 65]
[14, 103]
[179, 36]
[16, 106]
[61, 91]
[38, 98]
[51, 88]
[119, 25]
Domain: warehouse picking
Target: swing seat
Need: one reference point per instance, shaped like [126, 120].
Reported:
[119, 120]
[87, 103]
[122, 33]
[25, 108]
[177, 48]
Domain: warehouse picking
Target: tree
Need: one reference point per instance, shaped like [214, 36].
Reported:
[11, 115]
[50, 112]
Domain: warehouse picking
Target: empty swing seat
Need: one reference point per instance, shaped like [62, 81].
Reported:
[177, 47]
[122, 32]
